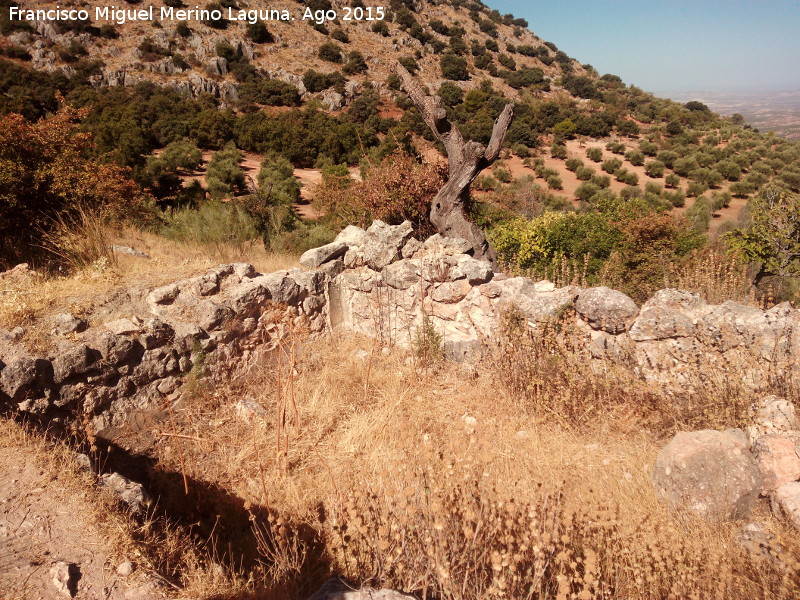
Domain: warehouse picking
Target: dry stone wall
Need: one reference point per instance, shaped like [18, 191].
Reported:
[121, 372]
[380, 282]
[389, 280]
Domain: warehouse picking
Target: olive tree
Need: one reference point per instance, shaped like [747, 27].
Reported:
[465, 160]
[771, 237]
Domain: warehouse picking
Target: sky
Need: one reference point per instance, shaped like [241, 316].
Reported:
[678, 46]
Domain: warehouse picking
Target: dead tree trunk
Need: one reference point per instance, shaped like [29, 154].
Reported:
[465, 161]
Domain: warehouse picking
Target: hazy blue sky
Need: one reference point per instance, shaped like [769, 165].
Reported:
[676, 46]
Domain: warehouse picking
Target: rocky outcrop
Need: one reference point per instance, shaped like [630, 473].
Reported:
[121, 373]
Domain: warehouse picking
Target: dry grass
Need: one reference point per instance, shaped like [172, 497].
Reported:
[716, 274]
[455, 486]
[166, 552]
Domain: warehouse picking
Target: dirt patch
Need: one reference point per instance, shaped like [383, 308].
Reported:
[51, 513]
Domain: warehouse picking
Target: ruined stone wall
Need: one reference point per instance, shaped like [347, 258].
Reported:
[379, 282]
[673, 339]
[123, 372]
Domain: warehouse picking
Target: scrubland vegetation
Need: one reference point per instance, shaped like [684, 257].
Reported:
[528, 478]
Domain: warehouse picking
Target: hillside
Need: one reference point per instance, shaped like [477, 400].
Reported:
[322, 92]
[240, 359]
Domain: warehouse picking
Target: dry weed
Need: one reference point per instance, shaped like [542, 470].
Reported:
[439, 484]
[714, 273]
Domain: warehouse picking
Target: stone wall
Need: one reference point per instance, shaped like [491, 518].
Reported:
[379, 282]
[121, 372]
[389, 280]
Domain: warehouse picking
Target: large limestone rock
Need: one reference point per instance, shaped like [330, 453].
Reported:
[352, 236]
[710, 473]
[772, 415]
[661, 323]
[524, 295]
[606, 309]
[778, 461]
[786, 502]
[337, 588]
[317, 256]
[128, 492]
[383, 243]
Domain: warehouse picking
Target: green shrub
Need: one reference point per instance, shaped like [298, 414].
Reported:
[215, 225]
[276, 180]
[485, 183]
[454, 67]
[224, 176]
[720, 200]
[668, 157]
[627, 177]
[628, 128]
[558, 151]
[729, 170]
[521, 150]
[611, 165]
[301, 237]
[314, 81]
[573, 164]
[270, 92]
[616, 147]
[586, 191]
[409, 63]
[536, 243]
[584, 173]
[14, 51]
[258, 33]
[655, 169]
[381, 28]
[355, 63]
[523, 77]
[581, 86]
[222, 22]
[340, 35]
[648, 148]
[162, 174]
[331, 52]
[713, 178]
[684, 166]
[228, 51]
[502, 175]
[699, 214]
[771, 237]
[635, 157]
[670, 180]
[652, 187]
[506, 61]
[428, 342]
[675, 198]
[554, 182]
[741, 189]
[601, 181]
[564, 129]
[696, 188]
[595, 154]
